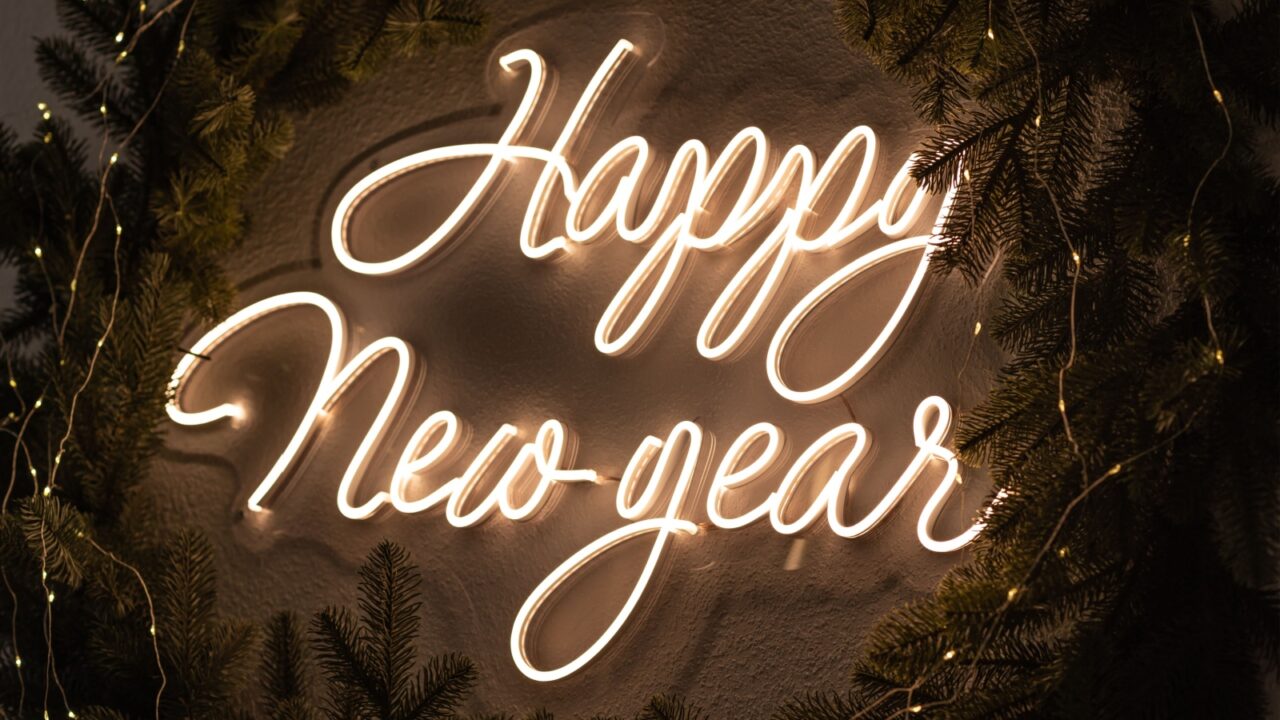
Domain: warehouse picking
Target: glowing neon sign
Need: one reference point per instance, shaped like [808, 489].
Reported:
[674, 227]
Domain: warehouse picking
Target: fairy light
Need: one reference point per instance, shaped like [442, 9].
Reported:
[949, 655]
[916, 709]
[51, 672]
[119, 37]
[1195, 196]
[115, 157]
[151, 611]
[1013, 593]
[977, 328]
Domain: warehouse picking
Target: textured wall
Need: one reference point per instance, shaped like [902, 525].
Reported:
[730, 622]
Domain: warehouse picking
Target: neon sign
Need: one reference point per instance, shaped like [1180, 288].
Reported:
[603, 202]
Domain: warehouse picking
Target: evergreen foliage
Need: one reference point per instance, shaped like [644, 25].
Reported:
[369, 662]
[1128, 568]
[118, 241]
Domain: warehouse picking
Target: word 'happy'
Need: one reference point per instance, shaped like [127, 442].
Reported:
[607, 201]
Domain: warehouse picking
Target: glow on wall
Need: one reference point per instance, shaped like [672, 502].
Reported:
[773, 201]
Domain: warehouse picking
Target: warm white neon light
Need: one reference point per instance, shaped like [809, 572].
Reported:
[662, 528]
[341, 216]
[810, 302]
[542, 457]
[692, 167]
[564, 145]
[929, 441]
[731, 474]
[833, 491]
[332, 382]
[607, 201]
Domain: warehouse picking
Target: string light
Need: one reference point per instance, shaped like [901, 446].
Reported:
[1013, 593]
[915, 709]
[977, 328]
[51, 668]
[119, 37]
[949, 655]
[991, 34]
[115, 157]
